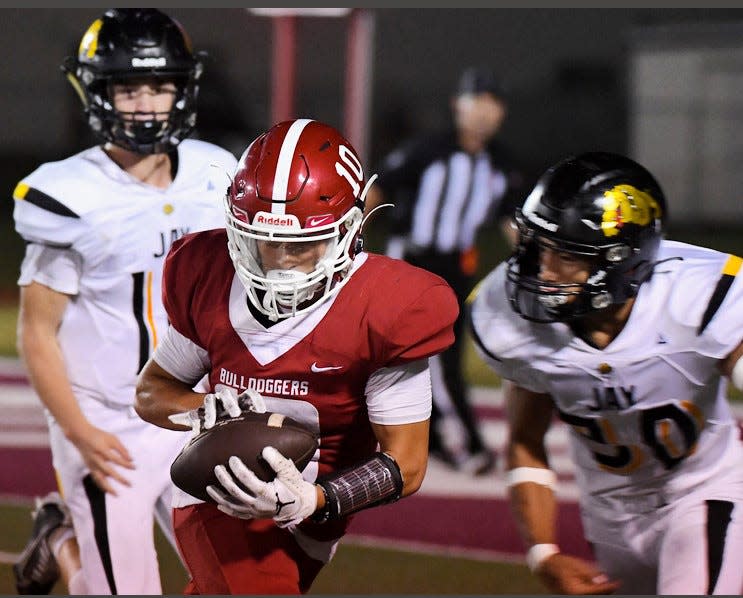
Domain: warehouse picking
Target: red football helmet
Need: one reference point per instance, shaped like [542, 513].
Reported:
[299, 181]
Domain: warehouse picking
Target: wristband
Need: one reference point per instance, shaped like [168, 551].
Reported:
[322, 515]
[539, 553]
[538, 475]
[372, 482]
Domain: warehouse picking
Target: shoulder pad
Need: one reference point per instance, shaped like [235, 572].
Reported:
[507, 342]
[41, 218]
[705, 297]
[201, 159]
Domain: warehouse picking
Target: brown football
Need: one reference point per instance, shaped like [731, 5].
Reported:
[245, 437]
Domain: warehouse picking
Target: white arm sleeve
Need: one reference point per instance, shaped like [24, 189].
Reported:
[181, 357]
[399, 394]
[57, 268]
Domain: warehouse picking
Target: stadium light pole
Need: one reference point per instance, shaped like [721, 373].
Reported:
[359, 79]
[359, 67]
[284, 71]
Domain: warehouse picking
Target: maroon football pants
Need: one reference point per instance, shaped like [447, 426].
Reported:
[227, 555]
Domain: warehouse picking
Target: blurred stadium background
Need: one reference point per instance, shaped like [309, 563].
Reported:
[663, 85]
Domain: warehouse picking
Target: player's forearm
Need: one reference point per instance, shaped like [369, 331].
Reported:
[407, 444]
[534, 508]
[44, 362]
[531, 495]
[159, 395]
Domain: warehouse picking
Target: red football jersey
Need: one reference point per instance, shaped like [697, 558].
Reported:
[388, 313]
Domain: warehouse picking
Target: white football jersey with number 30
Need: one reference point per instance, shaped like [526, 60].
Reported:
[648, 413]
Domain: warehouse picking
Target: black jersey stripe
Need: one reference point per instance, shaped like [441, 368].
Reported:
[729, 272]
[476, 337]
[42, 200]
[718, 519]
[138, 308]
[97, 501]
[48, 244]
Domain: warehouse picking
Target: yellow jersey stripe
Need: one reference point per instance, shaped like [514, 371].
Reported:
[732, 265]
[150, 313]
[20, 191]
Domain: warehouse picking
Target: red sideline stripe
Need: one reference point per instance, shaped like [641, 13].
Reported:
[475, 523]
[23, 427]
[26, 471]
[495, 412]
[488, 412]
[20, 379]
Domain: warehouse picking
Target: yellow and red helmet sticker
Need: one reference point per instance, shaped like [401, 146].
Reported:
[626, 204]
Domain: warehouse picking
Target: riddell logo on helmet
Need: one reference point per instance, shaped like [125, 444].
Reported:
[315, 221]
[266, 219]
[541, 222]
[149, 62]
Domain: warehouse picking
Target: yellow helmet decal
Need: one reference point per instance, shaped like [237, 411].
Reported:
[89, 43]
[626, 204]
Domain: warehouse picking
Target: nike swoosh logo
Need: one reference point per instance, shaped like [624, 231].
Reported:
[316, 368]
[314, 221]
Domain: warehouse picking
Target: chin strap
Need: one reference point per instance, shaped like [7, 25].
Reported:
[382, 205]
[223, 171]
[362, 200]
[373, 482]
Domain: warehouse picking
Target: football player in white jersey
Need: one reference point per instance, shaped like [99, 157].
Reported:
[97, 227]
[630, 340]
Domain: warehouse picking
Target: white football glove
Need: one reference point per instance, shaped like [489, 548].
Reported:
[224, 402]
[288, 499]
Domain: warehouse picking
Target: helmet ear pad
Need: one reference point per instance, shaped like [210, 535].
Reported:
[596, 204]
[136, 43]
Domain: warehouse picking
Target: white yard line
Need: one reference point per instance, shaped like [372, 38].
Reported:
[8, 558]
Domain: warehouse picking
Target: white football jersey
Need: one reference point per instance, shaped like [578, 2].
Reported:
[118, 230]
[648, 413]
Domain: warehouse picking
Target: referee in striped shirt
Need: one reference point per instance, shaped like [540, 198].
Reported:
[444, 187]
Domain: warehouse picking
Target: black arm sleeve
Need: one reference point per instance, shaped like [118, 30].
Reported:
[372, 482]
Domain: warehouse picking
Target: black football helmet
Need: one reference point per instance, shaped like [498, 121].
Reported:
[136, 42]
[600, 206]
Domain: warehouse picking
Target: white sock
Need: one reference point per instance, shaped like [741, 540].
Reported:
[77, 584]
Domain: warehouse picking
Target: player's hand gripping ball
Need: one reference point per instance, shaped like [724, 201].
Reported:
[244, 437]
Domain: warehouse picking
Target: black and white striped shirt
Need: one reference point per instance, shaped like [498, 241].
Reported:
[442, 194]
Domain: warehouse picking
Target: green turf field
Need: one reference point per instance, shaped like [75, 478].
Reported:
[8, 317]
[354, 570]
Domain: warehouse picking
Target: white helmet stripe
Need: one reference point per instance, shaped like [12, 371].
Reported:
[286, 156]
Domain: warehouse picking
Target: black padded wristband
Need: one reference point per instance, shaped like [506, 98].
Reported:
[373, 482]
[323, 514]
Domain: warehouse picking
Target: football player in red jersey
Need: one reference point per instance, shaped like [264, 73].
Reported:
[283, 311]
